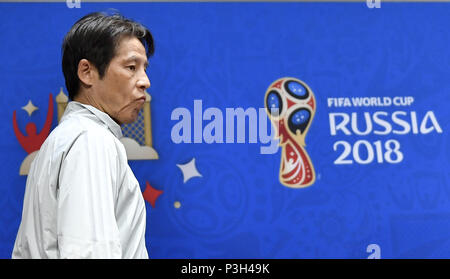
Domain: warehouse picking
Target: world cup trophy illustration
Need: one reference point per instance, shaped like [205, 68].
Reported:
[290, 105]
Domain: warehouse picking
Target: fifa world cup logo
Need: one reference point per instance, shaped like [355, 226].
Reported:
[290, 105]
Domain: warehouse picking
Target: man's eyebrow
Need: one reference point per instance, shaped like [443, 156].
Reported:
[134, 58]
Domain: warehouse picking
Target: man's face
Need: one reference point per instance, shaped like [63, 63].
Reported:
[120, 92]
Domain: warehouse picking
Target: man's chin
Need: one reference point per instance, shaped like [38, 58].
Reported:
[132, 118]
[128, 118]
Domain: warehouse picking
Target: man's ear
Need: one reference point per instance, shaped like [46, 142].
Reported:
[86, 72]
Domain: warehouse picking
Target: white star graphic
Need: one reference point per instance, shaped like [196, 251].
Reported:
[30, 108]
[189, 170]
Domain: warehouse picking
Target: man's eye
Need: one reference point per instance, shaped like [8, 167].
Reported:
[133, 68]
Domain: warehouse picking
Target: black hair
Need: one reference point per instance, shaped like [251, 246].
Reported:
[95, 37]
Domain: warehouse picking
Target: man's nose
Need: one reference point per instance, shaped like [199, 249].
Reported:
[143, 82]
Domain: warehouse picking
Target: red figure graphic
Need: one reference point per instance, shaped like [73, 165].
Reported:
[33, 141]
[291, 106]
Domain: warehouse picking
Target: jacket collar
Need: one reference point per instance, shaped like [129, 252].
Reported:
[100, 116]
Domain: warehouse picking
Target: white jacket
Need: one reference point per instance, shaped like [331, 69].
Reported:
[82, 200]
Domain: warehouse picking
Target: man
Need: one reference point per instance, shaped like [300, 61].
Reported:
[82, 200]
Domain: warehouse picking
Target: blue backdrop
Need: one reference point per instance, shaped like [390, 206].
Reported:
[227, 54]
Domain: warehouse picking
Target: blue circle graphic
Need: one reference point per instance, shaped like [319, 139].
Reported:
[274, 101]
[296, 88]
[300, 117]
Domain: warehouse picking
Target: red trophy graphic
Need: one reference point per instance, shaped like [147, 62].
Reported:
[290, 105]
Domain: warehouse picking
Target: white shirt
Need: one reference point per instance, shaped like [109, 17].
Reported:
[82, 200]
